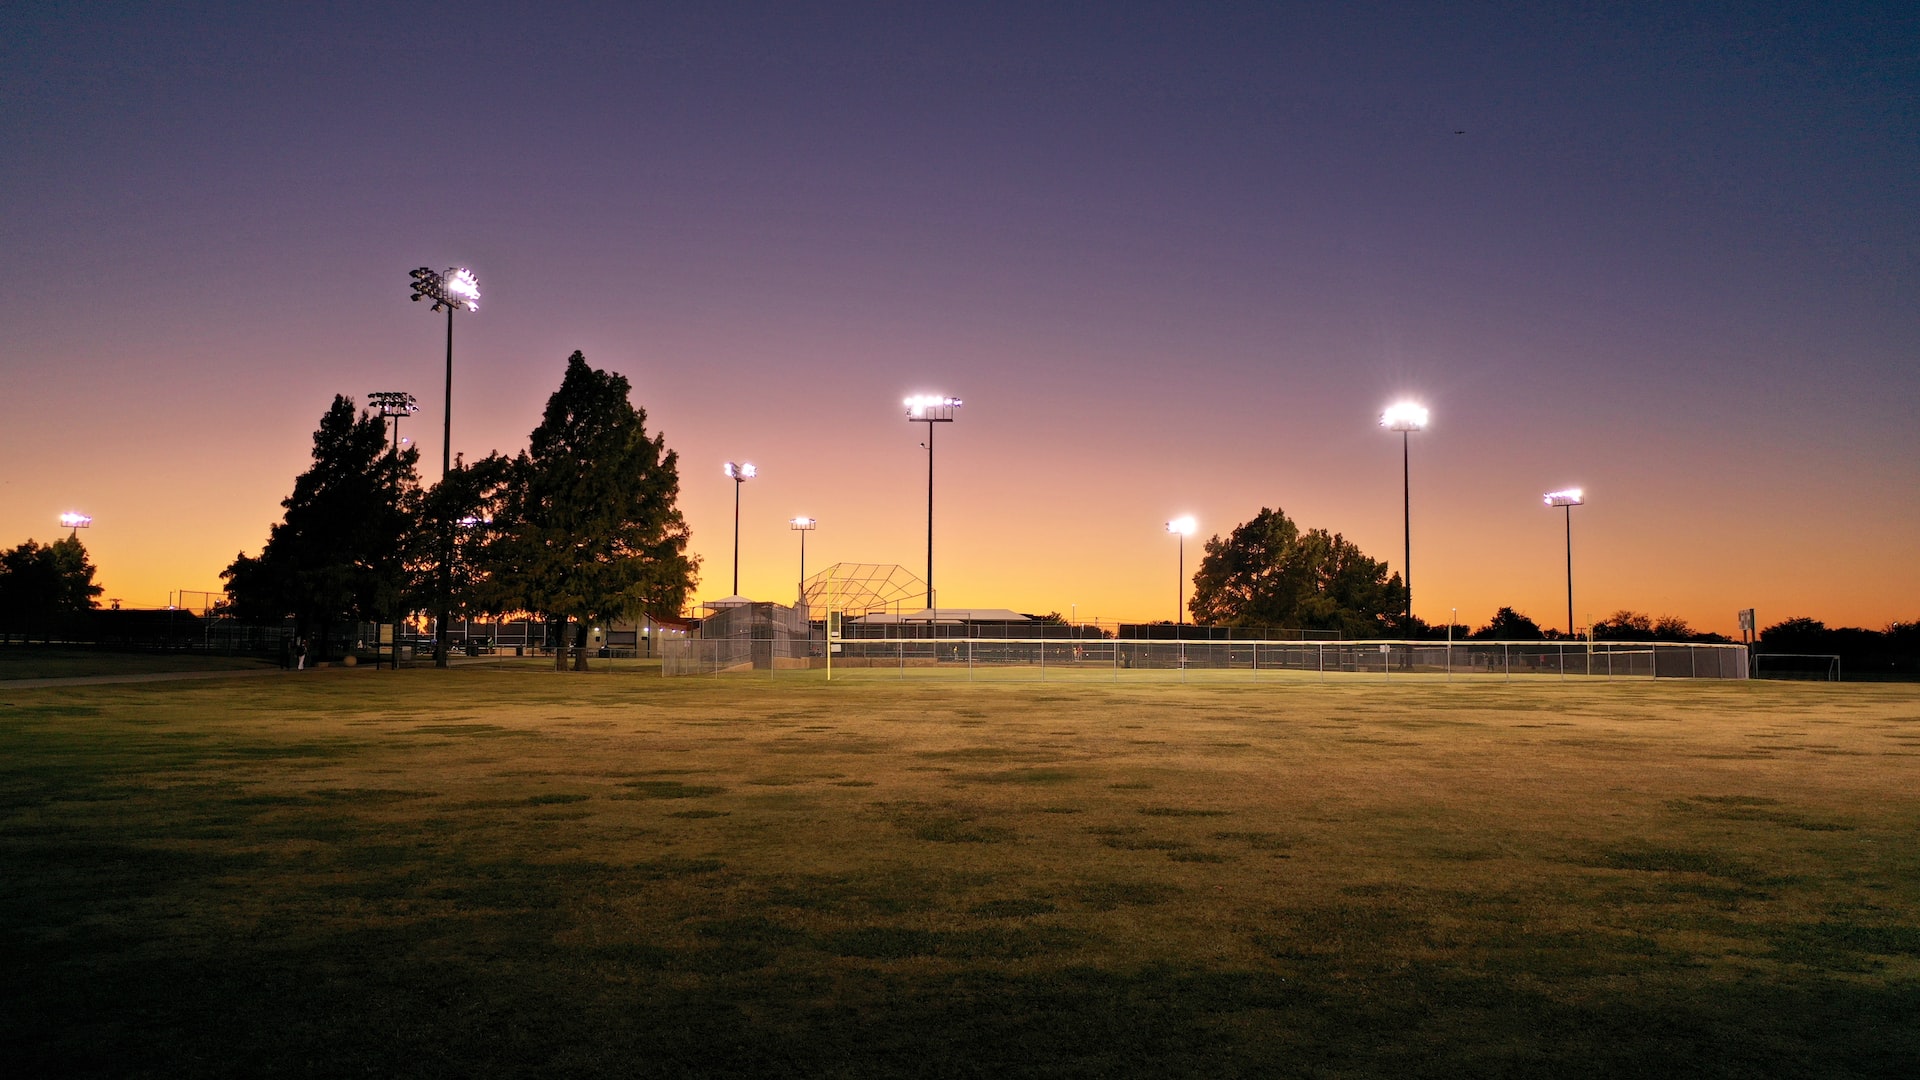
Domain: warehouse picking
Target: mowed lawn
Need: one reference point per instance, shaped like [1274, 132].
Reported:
[510, 873]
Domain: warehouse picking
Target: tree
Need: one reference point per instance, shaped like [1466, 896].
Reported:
[1625, 625]
[1269, 573]
[585, 525]
[1672, 628]
[41, 584]
[445, 553]
[336, 555]
[1509, 625]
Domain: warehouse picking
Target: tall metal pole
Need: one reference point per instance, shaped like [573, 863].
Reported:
[929, 515]
[803, 562]
[1406, 511]
[446, 429]
[443, 619]
[1569, 510]
[1180, 587]
[736, 536]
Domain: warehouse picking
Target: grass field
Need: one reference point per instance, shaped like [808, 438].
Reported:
[40, 662]
[504, 872]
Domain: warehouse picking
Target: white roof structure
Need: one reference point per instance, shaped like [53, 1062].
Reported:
[945, 615]
[860, 588]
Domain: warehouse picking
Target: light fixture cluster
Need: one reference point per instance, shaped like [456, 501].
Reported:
[75, 520]
[392, 403]
[1565, 497]
[455, 288]
[920, 404]
[1404, 416]
[741, 473]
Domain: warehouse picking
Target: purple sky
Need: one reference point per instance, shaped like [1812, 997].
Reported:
[1176, 258]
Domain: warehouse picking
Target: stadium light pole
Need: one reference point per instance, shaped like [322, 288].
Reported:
[452, 290]
[930, 409]
[739, 474]
[74, 521]
[1567, 499]
[395, 405]
[1406, 417]
[1182, 527]
[803, 526]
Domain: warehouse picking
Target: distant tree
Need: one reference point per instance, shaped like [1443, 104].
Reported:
[1509, 625]
[457, 516]
[42, 584]
[1268, 572]
[1672, 628]
[336, 554]
[1793, 628]
[585, 525]
[1624, 625]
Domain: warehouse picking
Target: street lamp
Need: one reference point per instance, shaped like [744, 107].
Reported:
[739, 474]
[1568, 499]
[930, 409]
[452, 290]
[803, 526]
[1182, 527]
[1406, 417]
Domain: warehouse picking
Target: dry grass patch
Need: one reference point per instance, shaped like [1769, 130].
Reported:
[619, 875]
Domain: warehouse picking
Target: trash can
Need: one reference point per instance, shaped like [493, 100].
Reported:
[473, 648]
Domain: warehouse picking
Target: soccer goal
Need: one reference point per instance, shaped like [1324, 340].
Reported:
[1814, 667]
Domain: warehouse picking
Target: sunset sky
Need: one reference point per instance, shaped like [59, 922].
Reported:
[1176, 258]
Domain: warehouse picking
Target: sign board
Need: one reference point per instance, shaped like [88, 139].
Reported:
[1746, 620]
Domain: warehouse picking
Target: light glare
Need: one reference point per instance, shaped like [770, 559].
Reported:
[1404, 416]
[1566, 497]
[741, 472]
[462, 284]
[1185, 525]
[74, 520]
[918, 404]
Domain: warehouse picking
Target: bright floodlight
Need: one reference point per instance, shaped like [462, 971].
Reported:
[73, 520]
[804, 523]
[918, 404]
[1567, 497]
[1404, 416]
[741, 472]
[1185, 526]
[455, 288]
[462, 285]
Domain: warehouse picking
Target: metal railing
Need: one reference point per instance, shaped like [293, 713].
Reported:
[1044, 658]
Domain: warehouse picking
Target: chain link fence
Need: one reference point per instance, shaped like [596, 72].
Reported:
[1044, 658]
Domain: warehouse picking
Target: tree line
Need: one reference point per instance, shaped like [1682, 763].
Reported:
[43, 587]
[581, 527]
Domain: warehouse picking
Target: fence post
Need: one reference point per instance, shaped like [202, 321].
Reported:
[1506, 661]
[969, 659]
[1043, 659]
